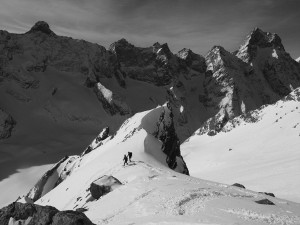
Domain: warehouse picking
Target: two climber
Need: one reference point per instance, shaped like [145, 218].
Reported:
[127, 157]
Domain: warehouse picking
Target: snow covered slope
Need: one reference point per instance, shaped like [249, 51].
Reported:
[154, 134]
[259, 149]
[151, 193]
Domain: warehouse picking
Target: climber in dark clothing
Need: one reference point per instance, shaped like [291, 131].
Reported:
[129, 156]
[125, 159]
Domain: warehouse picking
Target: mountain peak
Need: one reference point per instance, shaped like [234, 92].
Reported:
[185, 53]
[41, 26]
[120, 44]
[258, 39]
[162, 49]
[122, 41]
[264, 39]
[195, 61]
[217, 50]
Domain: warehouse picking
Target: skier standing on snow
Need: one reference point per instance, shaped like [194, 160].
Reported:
[125, 159]
[129, 156]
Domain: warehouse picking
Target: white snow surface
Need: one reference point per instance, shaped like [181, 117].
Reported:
[298, 60]
[151, 193]
[14, 185]
[261, 152]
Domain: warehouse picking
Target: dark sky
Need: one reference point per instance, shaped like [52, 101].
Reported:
[194, 24]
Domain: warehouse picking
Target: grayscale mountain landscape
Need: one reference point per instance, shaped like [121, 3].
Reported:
[214, 137]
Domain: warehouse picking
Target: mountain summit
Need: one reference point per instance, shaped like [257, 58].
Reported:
[256, 40]
[43, 27]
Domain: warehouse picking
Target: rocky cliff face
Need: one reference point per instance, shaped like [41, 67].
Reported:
[259, 73]
[265, 52]
[156, 64]
[194, 61]
[7, 123]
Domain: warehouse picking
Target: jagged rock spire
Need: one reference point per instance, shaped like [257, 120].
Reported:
[193, 60]
[258, 39]
[41, 26]
[120, 44]
[265, 39]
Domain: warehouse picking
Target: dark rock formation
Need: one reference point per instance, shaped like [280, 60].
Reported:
[156, 64]
[166, 133]
[7, 123]
[264, 202]
[71, 218]
[42, 215]
[267, 193]
[193, 60]
[259, 39]
[238, 185]
[43, 27]
[103, 135]
[104, 185]
[111, 102]
[98, 141]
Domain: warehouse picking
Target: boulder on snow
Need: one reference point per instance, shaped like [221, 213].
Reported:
[19, 213]
[267, 193]
[265, 201]
[104, 185]
[238, 185]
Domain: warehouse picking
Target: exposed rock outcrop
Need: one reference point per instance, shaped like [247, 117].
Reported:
[104, 134]
[267, 193]
[19, 213]
[265, 201]
[238, 185]
[111, 102]
[266, 53]
[259, 73]
[258, 39]
[193, 60]
[41, 26]
[156, 64]
[7, 124]
[166, 133]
